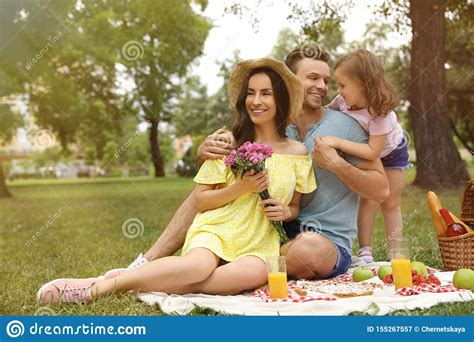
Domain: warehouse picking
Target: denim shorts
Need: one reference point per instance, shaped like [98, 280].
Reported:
[293, 229]
[398, 158]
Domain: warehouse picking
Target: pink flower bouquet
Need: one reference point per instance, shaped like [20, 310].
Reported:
[251, 156]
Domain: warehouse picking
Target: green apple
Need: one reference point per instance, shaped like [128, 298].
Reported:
[383, 271]
[362, 273]
[419, 267]
[464, 279]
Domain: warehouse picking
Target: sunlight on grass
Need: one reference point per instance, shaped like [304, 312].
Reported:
[53, 229]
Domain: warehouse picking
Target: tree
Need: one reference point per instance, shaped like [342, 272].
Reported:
[9, 122]
[192, 110]
[164, 48]
[438, 160]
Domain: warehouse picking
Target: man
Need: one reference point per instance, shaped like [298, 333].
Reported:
[322, 236]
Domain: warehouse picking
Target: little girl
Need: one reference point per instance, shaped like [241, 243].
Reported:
[366, 95]
[230, 239]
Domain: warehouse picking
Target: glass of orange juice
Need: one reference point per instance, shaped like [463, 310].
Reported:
[401, 264]
[277, 280]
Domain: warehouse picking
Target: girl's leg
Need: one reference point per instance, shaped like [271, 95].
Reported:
[391, 211]
[365, 221]
[162, 275]
[246, 273]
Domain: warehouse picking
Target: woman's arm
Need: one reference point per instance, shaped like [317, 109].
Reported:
[208, 197]
[277, 211]
[369, 151]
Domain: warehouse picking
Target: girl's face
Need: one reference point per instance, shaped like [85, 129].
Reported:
[351, 90]
[260, 102]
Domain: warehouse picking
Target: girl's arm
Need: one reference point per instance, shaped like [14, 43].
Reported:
[277, 211]
[369, 151]
[208, 197]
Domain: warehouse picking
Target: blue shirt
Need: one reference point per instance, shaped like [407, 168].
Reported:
[332, 208]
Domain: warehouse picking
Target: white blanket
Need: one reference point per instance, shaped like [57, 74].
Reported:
[381, 302]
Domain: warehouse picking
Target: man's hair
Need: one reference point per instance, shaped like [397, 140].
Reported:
[305, 51]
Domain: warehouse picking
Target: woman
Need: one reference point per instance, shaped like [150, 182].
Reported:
[227, 245]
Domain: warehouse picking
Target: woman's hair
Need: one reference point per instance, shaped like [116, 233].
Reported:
[243, 128]
[365, 67]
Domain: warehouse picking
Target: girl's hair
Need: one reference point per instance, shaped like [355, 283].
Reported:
[365, 67]
[243, 128]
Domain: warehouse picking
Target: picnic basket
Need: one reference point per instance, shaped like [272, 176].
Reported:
[458, 252]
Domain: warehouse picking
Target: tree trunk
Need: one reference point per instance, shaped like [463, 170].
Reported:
[4, 193]
[156, 156]
[438, 162]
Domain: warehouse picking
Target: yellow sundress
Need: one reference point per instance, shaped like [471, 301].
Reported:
[241, 228]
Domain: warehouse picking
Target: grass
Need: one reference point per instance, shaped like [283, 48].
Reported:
[77, 226]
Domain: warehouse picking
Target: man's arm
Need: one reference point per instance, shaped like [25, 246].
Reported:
[172, 238]
[368, 179]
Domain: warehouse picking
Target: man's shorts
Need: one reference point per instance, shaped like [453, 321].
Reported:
[343, 262]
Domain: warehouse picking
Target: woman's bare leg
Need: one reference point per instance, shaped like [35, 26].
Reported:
[163, 275]
[244, 274]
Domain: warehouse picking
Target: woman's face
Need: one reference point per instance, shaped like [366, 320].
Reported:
[260, 102]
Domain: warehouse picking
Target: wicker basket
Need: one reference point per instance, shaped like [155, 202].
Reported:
[467, 204]
[458, 252]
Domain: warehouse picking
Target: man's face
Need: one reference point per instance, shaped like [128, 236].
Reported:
[315, 77]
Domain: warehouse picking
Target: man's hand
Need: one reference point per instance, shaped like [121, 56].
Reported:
[217, 145]
[324, 155]
[275, 210]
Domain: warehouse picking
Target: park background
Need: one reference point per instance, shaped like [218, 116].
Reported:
[103, 105]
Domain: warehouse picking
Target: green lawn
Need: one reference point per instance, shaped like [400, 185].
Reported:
[78, 229]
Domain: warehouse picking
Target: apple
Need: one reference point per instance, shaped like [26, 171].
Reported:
[362, 273]
[464, 279]
[383, 271]
[419, 267]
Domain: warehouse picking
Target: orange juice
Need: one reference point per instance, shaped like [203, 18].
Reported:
[401, 269]
[277, 284]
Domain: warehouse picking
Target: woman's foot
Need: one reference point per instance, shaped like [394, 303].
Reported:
[140, 260]
[67, 291]
[365, 253]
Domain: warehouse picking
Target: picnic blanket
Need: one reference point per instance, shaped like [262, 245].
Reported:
[382, 302]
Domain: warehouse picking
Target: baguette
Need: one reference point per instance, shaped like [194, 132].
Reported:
[435, 205]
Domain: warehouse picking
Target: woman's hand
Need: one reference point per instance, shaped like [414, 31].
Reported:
[275, 210]
[256, 183]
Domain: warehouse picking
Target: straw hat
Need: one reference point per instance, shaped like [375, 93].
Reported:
[292, 83]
